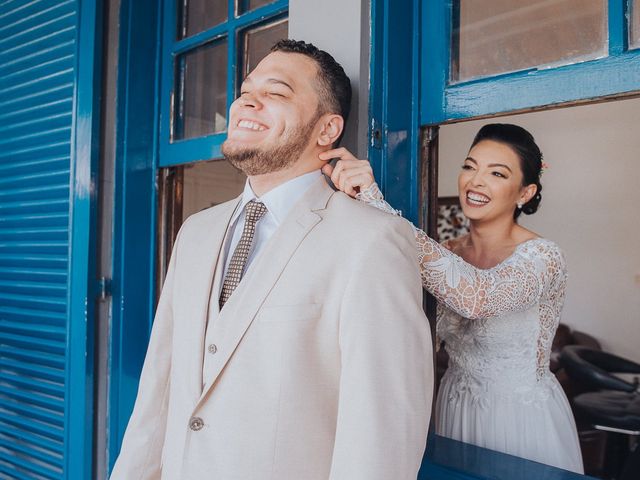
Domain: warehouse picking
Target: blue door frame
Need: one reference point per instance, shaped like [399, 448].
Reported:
[83, 284]
[135, 199]
[393, 102]
[440, 101]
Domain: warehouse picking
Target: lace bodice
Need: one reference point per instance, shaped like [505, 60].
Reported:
[499, 322]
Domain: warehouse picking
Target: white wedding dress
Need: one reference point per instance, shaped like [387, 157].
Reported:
[498, 325]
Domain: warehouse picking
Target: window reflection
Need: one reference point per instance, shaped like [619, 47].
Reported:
[210, 183]
[248, 5]
[201, 97]
[196, 16]
[258, 41]
[499, 36]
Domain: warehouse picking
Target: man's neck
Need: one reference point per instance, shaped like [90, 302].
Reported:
[261, 184]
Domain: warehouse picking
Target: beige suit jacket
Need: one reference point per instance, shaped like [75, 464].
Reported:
[323, 366]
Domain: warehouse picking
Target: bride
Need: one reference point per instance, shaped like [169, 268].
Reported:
[500, 292]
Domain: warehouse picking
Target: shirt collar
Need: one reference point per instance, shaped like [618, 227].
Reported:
[282, 198]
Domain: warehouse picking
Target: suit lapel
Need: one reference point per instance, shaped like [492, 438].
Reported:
[203, 272]
[242, 307]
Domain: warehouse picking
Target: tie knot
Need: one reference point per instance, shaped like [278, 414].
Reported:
[255, 211]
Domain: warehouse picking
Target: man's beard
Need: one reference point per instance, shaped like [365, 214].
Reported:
[259, 161]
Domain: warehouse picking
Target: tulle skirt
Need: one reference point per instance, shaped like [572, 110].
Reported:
[533, 422]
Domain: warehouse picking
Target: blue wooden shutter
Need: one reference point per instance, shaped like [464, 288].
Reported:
[46, 164]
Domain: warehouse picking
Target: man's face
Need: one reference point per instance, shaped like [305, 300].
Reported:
[273, 121]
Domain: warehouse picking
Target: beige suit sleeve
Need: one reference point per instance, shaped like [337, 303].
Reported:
[386, 384]
[141, 451]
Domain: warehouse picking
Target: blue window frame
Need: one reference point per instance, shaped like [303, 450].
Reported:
[442, 101]
[173, 151]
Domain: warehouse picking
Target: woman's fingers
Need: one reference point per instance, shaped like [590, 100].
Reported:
[354, 184]
[339, 153]
[349, 174]
[353, 180]
[327, 169]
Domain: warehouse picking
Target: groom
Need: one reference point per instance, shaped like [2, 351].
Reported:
[289, 342]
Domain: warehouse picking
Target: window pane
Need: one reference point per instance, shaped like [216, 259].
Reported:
[634, 30]
[201, 95]
[258, 41]
[248, 5]
[198, 15]
[209, 183]
[499, 36]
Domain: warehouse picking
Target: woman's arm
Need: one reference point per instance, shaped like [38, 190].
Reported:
[473, 293]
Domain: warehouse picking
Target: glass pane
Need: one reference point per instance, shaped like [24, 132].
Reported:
[634, 27]
[500, 36]
[201, 96]
[248, 5]
[258, 41]
[196, 16]
[209, 183]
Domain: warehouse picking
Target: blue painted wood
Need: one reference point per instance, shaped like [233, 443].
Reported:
[447, 459]
[233, 56]
[595, 79]
[393, 102]
[204, 148]
[135, 198]
[195, 149]
[617, 26]
[83, 286]
[434, 59]
[442, 102]
[49, 110]
[198, 39]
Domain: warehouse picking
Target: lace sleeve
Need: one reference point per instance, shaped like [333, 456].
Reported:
[373, 196]
[536, 267]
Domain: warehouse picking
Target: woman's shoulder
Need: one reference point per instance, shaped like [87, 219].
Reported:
[544, 249]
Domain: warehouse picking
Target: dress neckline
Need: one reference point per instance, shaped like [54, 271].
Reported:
[515, 250]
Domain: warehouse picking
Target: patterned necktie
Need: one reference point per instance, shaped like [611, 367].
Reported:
[254, 211]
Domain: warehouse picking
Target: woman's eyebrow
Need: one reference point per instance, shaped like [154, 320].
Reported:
[500, 165]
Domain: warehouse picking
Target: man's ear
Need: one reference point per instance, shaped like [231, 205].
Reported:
[332, 126]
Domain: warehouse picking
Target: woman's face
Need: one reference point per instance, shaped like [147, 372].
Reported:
[490, 182]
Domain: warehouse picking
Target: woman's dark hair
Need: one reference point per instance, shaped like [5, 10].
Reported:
[524, 145]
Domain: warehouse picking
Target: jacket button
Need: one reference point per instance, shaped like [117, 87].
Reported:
[212, 348]
[196, 423]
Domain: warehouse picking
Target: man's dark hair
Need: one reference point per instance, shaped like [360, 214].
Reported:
[334, 84]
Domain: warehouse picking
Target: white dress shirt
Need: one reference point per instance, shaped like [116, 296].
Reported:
[278, 202]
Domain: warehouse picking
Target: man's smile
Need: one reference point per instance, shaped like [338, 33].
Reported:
[252, 125]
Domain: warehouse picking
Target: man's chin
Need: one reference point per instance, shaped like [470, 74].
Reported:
[235, 147]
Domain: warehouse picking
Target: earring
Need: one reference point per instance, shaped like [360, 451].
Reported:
[519, 204]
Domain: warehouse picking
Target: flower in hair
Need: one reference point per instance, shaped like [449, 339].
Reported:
[544, 167]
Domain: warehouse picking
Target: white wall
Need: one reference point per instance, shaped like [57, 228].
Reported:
[341, 27]
[590, 207]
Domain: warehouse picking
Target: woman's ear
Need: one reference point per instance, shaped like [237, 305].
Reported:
[528, 193]
[332, 126]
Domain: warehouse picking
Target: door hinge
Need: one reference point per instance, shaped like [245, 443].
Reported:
[376, 134]
[104, 288]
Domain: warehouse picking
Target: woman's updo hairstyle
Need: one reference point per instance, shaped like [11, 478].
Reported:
[524, 145]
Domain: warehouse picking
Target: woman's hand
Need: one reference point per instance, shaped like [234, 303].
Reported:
[350, 174]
